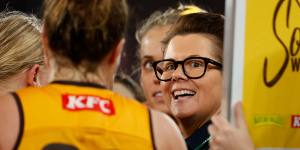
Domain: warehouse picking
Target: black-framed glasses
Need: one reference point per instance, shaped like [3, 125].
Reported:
[193, 67]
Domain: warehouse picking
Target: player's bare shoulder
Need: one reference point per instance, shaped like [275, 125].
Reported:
[10, 121]
[166, 133]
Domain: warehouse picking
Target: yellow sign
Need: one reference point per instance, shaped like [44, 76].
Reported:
[271, 85]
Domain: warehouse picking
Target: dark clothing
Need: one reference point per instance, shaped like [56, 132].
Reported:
[198, 138]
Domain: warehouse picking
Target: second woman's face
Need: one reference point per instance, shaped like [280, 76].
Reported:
[198, 98]
[150, 51]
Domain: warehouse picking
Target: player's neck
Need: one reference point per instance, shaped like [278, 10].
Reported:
[13, 83]
[72, 74]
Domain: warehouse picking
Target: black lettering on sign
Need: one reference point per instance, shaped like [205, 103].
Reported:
[290, 51]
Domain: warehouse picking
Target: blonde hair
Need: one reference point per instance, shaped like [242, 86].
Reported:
[20, 46]
[166, 18]
[157, 18]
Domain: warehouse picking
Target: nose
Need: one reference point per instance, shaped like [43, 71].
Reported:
[178, 74]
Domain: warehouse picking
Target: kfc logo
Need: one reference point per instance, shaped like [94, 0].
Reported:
[295, 121]
[87, 102]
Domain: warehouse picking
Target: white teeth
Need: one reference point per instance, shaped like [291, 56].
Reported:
[183, 92]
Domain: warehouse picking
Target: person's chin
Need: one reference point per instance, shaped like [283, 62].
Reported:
[181, 112]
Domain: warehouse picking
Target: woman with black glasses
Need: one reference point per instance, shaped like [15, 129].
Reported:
[191, 74]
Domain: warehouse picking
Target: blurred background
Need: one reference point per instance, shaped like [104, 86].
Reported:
[139, 10]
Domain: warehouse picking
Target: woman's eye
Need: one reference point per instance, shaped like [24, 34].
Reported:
[170, 67]
[148, 65]
[196, 64]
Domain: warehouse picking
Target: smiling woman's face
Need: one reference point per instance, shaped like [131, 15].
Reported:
[185, 97]
[151, 50]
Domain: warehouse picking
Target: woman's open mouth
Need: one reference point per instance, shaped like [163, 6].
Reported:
[182, 93]
[158, 96]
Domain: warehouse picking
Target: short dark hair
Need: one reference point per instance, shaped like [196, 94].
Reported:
[202, 23]
[82, 31]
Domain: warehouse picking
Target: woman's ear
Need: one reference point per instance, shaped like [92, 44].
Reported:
[32, 76]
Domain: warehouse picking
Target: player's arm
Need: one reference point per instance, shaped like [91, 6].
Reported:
[166, 133]
[9, 122]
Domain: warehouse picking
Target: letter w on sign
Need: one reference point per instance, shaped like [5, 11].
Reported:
[74, 102]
